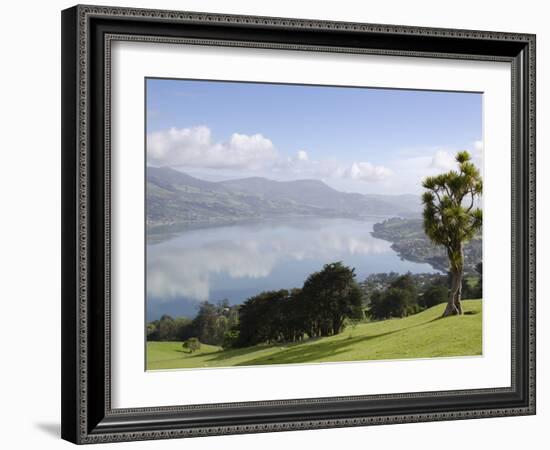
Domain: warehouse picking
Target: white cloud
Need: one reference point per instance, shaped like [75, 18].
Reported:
[302, 155]
[478, 147]
[303, 167]
[477, 154]
[365, 171]
[443, 160]
[194, 147]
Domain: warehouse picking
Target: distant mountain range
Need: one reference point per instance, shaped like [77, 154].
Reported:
[174, 197]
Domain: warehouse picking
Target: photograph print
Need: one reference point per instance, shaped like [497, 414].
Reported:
[307, 224]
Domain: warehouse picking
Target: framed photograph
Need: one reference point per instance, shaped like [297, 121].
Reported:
[278, 224]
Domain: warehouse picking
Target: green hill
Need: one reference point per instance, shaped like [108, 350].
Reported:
[423, 335]
[175, 198]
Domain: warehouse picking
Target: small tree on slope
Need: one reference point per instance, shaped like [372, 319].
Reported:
[451, 218]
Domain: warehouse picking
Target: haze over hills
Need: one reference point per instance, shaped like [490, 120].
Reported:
[318, 194]
[174, 197]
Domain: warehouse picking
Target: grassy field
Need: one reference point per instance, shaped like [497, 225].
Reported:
[423, 335]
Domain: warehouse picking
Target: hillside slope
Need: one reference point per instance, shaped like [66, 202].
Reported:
[317, 194]
[174, 197]
[423, 335]
[410, 241]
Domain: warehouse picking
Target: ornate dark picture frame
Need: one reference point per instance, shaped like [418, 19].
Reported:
[87, 33]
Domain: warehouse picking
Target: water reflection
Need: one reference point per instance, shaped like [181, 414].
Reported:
[237, 261]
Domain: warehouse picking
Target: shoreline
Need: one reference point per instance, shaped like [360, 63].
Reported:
[176, 227]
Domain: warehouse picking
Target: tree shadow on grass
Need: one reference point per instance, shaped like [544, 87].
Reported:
[465, 313]
[299, 354]
[237, 352]
[311, 353]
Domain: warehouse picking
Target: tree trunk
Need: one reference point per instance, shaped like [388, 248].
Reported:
[454, 306]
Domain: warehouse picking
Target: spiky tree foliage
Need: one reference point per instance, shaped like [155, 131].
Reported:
[451, 217]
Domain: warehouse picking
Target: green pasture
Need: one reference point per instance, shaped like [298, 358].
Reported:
[423, 335]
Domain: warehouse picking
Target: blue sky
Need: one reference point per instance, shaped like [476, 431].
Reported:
[355, 139]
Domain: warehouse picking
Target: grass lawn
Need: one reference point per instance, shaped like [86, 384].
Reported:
[423, 335]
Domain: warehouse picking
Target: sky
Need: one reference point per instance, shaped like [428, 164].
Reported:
[355, 139]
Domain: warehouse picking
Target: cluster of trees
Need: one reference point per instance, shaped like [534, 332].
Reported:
[322, 307]
[270, 316]
[382, 281]
[327, 300]
[210, 326]
[472, 287]
[168, 328]
[409, 294]
[400, 299]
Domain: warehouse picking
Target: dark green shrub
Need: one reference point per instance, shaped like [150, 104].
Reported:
[191, 345]
[434, 295]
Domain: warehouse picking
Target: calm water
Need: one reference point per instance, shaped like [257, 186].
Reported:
[238, 261]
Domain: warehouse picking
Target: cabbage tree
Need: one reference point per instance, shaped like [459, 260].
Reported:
[452, 217]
